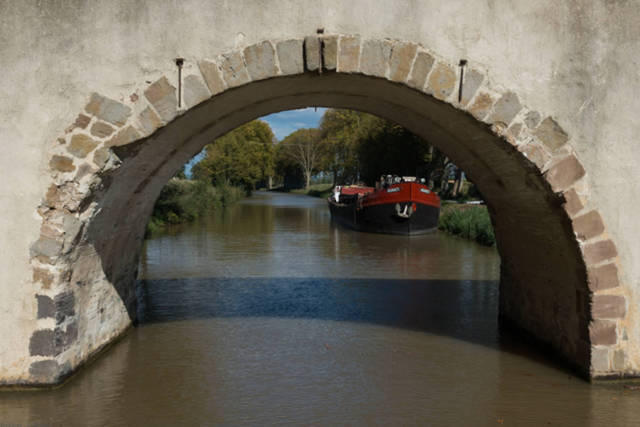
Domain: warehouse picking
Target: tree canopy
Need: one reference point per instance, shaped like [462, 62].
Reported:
[243, 157]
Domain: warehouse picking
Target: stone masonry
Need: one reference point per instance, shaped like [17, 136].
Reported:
[84, 297]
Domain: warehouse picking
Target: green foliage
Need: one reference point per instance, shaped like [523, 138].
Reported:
[183, 201]
[300, 152]
[386, 148]
[243, 157]
[361, 147]
[470, 222]
[341, 132]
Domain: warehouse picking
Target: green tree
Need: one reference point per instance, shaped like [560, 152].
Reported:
[340, 132]
[303, 148]
[243, 157]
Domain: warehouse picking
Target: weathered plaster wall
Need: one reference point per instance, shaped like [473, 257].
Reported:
[575, 61]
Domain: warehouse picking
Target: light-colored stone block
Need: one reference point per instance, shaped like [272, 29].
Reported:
[163, 98]
[108, 110]
[348, 54]
[261, 60]
[234, 70]
[212, 76]
[195, 91]
[402, 55]
[375, 57]
[442, 81]
[290, 57]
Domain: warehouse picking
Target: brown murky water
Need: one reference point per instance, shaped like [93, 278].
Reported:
[269, 314]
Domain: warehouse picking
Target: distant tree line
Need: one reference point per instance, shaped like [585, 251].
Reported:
[352, 147]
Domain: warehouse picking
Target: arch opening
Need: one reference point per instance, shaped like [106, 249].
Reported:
[104, 191]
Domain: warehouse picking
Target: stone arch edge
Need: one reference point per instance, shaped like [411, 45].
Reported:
[85, 152]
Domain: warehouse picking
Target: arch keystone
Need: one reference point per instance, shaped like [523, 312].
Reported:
[349, 54]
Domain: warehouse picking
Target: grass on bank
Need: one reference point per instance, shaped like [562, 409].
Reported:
[469, 222]
[315, 190]
[183, 201]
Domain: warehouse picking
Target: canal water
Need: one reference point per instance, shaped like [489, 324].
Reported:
[267, 313]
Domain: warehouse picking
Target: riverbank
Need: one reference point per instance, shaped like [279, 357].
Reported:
[471, 222]
[182, 201]
[317, 190]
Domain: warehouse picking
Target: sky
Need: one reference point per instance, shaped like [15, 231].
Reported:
[282, 124]
[286, 122]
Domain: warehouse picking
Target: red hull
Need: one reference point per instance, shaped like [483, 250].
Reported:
[403, 208]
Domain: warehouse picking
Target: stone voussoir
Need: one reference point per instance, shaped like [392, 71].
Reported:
[572, 204]
[212, 75]
[260, 60]
[603, 277]
[234, 70]
[148, 121]
[564, 173]
[603, 332]
[124, 137]
[329, 52]
[348, 54]
[551, 134]
[195, 91]
[471, 83]
[481, 105]
[422, 65]
[290, 56]
[375, 56]
[588, 225]
[535, 153]
[506, 109]
[597, 252]
[608, 307]
[312, 54]
[162, 96]
[441, 81]
[402, 56]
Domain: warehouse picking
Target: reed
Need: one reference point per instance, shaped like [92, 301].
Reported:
[469, 222]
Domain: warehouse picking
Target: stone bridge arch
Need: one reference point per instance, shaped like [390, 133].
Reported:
[559, 274]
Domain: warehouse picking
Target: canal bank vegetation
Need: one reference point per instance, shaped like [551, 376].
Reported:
[467, 221]
[227, 170]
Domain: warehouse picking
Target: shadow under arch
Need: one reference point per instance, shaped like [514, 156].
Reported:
[544, 285]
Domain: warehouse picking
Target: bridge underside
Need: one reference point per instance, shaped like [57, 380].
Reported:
[558, 273]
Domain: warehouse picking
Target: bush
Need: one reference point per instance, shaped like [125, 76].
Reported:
[470, 222]
[183, 201]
